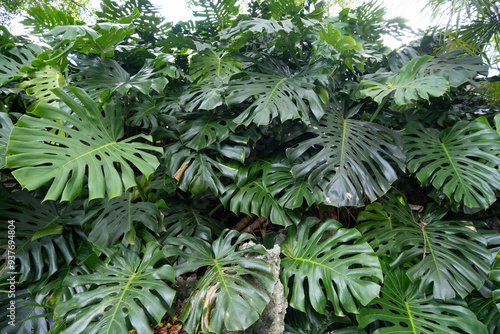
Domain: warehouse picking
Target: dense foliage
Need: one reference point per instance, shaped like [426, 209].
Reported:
[134, 151]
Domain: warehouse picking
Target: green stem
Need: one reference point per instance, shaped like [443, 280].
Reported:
[291, 49]
[215, 209]
[141, 192]
[380, 106]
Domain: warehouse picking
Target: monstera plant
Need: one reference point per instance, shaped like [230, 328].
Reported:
[136, 154]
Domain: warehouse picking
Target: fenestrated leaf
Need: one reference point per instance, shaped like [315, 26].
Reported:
[290, 193]
[5, 129]
[278, 93]
[196, 172]
[448, 256]
[406, 310]
[39, 255]
[183, 219]
[485, 303]
[251, 195]
[108, 74]
[24, 308]
[202, 129]
[101, 40]
[457, 161]
[455, 67]
[354, 156]
[211, 64]
[42, 82]
[118, 217]
[207, 95]
[405, 85]
[128, 289]
[11, 65]
[91, 147]
[336, 270]
[259, 25]
[227, 294]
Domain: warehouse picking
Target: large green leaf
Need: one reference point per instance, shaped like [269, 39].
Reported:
[40, 244]
[277, 93]
[200, 130]
[42, 82]
[217, 13]
[459, 161]
[456, 67]
[354, 156]
[25, 307]
[183, 219]
[128, 289]
[196, 172]
[148, 22]
[206, 96]
[11, 65]
[101, 40]
[233, 292]
[91, 147]
[406, 310]
[118, 218]
[108, 74]
[486, 305]
[336, 270]
[449, 256]
[405, 85]
[261, 195]
[5, 129]
[211, 64]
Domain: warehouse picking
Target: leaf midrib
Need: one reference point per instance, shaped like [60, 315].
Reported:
[320, 265]
[460, 180]
[83, 155]
[120, 300]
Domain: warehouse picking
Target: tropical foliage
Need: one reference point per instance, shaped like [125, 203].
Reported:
[135, 153]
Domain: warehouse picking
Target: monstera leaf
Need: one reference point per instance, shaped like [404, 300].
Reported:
[278, 93]
[148, 21]
[196, 172]
[28, 317]
[486, 305]
[102, 39]
[118, 218]
[108, 74]
[217, 13]
[354, 156]
[5, 130]
[405, 85]
[41, 245]
[251, 194]
[456, 67]
[406, 310]
[42, 82]
[233, 292]
[449, 256]
[206, 96]
[91, 146]
[211, 64]
[459, 161]
[183, 219]
[200, 130]
[128, 289]
[348, 272]
[11, 64]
